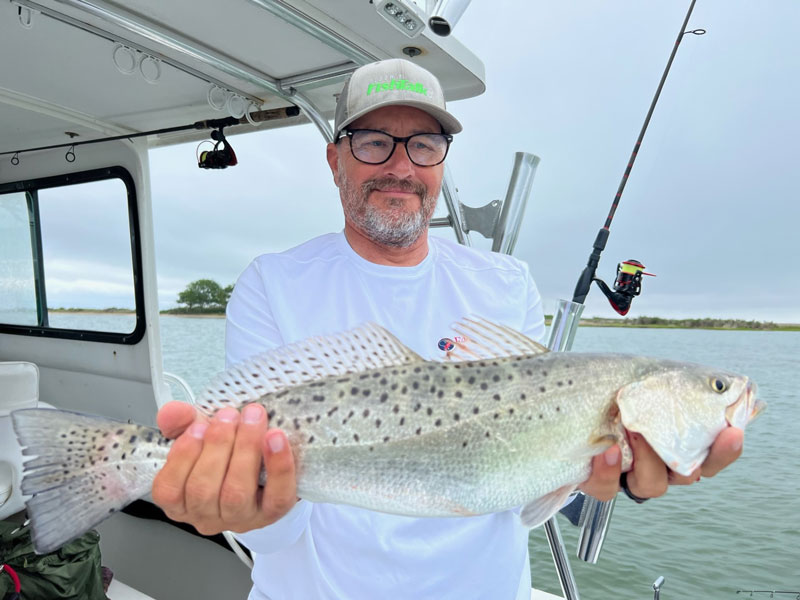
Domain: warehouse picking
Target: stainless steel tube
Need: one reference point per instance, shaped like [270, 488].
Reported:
[509, 222]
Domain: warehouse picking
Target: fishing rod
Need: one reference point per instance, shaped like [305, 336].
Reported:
[628, 284]
[592, 515]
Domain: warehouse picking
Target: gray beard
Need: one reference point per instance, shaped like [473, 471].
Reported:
[398, 228]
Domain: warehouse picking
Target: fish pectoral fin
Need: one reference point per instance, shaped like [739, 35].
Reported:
[540, 510]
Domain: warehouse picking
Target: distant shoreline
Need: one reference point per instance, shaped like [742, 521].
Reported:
[635, 322]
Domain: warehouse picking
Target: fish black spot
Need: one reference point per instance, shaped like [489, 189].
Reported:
[418, 431]
[316, 417]
[569, 382]
[393, 387]
[496, 397]
[376, 374]
[294, 401]
[529, 417]
[281, 394]
[426, 377]
[496, 415]
[309, 419]
[333, 410]
[559, 383]
[496, 378]
[510, 377]
[310, 439]
[366, 413]
[341, 394]
[457, 379]
[318, 398]
[456, 417]
[464, 444]
[415, 385]
[417, 369]
[402, 420]
[101, 448]
[333, 441]
[558, 409]
[440, 394]
[476, 410]
[386, 439]
[105, 459]
[63, 435]
[383, 381]
[271, 414]
[354, 391]
[438, 422]
[377, 422]
[429, 411]
[486, 434]
[280, 422]
[365, 376]
[433, 389]
[394, 371]
[511, 411]
[456, 366]
[404, 390]
[528, 372]
[396, 408]
[366, 393]
[149, 454]
[458, 394]
[296, 422]
[343, 380]
[482, 363]
[116, 445]
[471, 380]
[541, 416]
[542, 389]
[371, 448]
[119, 432]
[417, 406]
[484, 386]
[355, 436]
[522, 396]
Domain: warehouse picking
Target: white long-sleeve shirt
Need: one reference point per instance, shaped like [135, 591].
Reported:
[330, 551]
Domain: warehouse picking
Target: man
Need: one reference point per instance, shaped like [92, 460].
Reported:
[392, 135]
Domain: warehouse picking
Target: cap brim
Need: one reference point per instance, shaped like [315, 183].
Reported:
[448, 122]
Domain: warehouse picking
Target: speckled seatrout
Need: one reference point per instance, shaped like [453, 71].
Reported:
[502, 424]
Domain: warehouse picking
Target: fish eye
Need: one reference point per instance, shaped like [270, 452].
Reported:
[718, 385]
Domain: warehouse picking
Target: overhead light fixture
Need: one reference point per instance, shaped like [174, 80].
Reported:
[445, 15]
[404, 15]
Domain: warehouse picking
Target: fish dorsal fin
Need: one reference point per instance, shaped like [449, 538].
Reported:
[368, 346]
[479, 338]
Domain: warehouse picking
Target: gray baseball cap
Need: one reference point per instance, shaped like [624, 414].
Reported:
[392, 82]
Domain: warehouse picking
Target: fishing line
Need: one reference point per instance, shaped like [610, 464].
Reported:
[588, 274]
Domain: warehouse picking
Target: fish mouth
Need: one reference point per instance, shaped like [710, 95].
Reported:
[745, 408]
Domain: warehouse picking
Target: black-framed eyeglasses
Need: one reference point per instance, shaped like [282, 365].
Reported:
[375, 147]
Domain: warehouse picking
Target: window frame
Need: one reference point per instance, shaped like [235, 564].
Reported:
[31, 187]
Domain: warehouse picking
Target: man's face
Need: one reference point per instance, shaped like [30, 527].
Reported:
[390, 203]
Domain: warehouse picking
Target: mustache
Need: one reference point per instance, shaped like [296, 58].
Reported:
[405, 185]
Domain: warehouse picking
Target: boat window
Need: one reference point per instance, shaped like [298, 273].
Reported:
[69, 258]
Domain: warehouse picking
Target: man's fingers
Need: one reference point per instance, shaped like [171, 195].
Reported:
[725, 449]
[175, 417]
[603, 483]
[280, 492]
[238, 495]
[648, 477]
[170, 481]
[205, 480]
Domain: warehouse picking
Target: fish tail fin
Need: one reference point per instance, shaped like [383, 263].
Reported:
[84, 470]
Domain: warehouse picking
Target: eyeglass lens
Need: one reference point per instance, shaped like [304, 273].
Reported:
[375, 147]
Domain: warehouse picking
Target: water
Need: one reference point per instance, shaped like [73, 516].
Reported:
[737, 531]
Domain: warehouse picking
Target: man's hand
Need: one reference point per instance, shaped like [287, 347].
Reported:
[649, 477]
[211, 476]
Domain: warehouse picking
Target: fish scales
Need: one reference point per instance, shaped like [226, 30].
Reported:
[385, 430]
[458, 429]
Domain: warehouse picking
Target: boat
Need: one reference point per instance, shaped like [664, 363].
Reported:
[87, 89]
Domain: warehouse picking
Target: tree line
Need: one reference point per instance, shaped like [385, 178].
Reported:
[204, 296]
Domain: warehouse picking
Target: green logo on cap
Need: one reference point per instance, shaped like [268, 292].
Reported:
[397, 84]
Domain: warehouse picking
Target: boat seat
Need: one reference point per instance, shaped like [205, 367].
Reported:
[19, 388]
[119, 591]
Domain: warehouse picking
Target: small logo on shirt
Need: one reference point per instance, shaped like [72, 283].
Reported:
[447, 344]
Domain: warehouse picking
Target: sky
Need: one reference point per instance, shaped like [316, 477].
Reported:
[711, 206]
